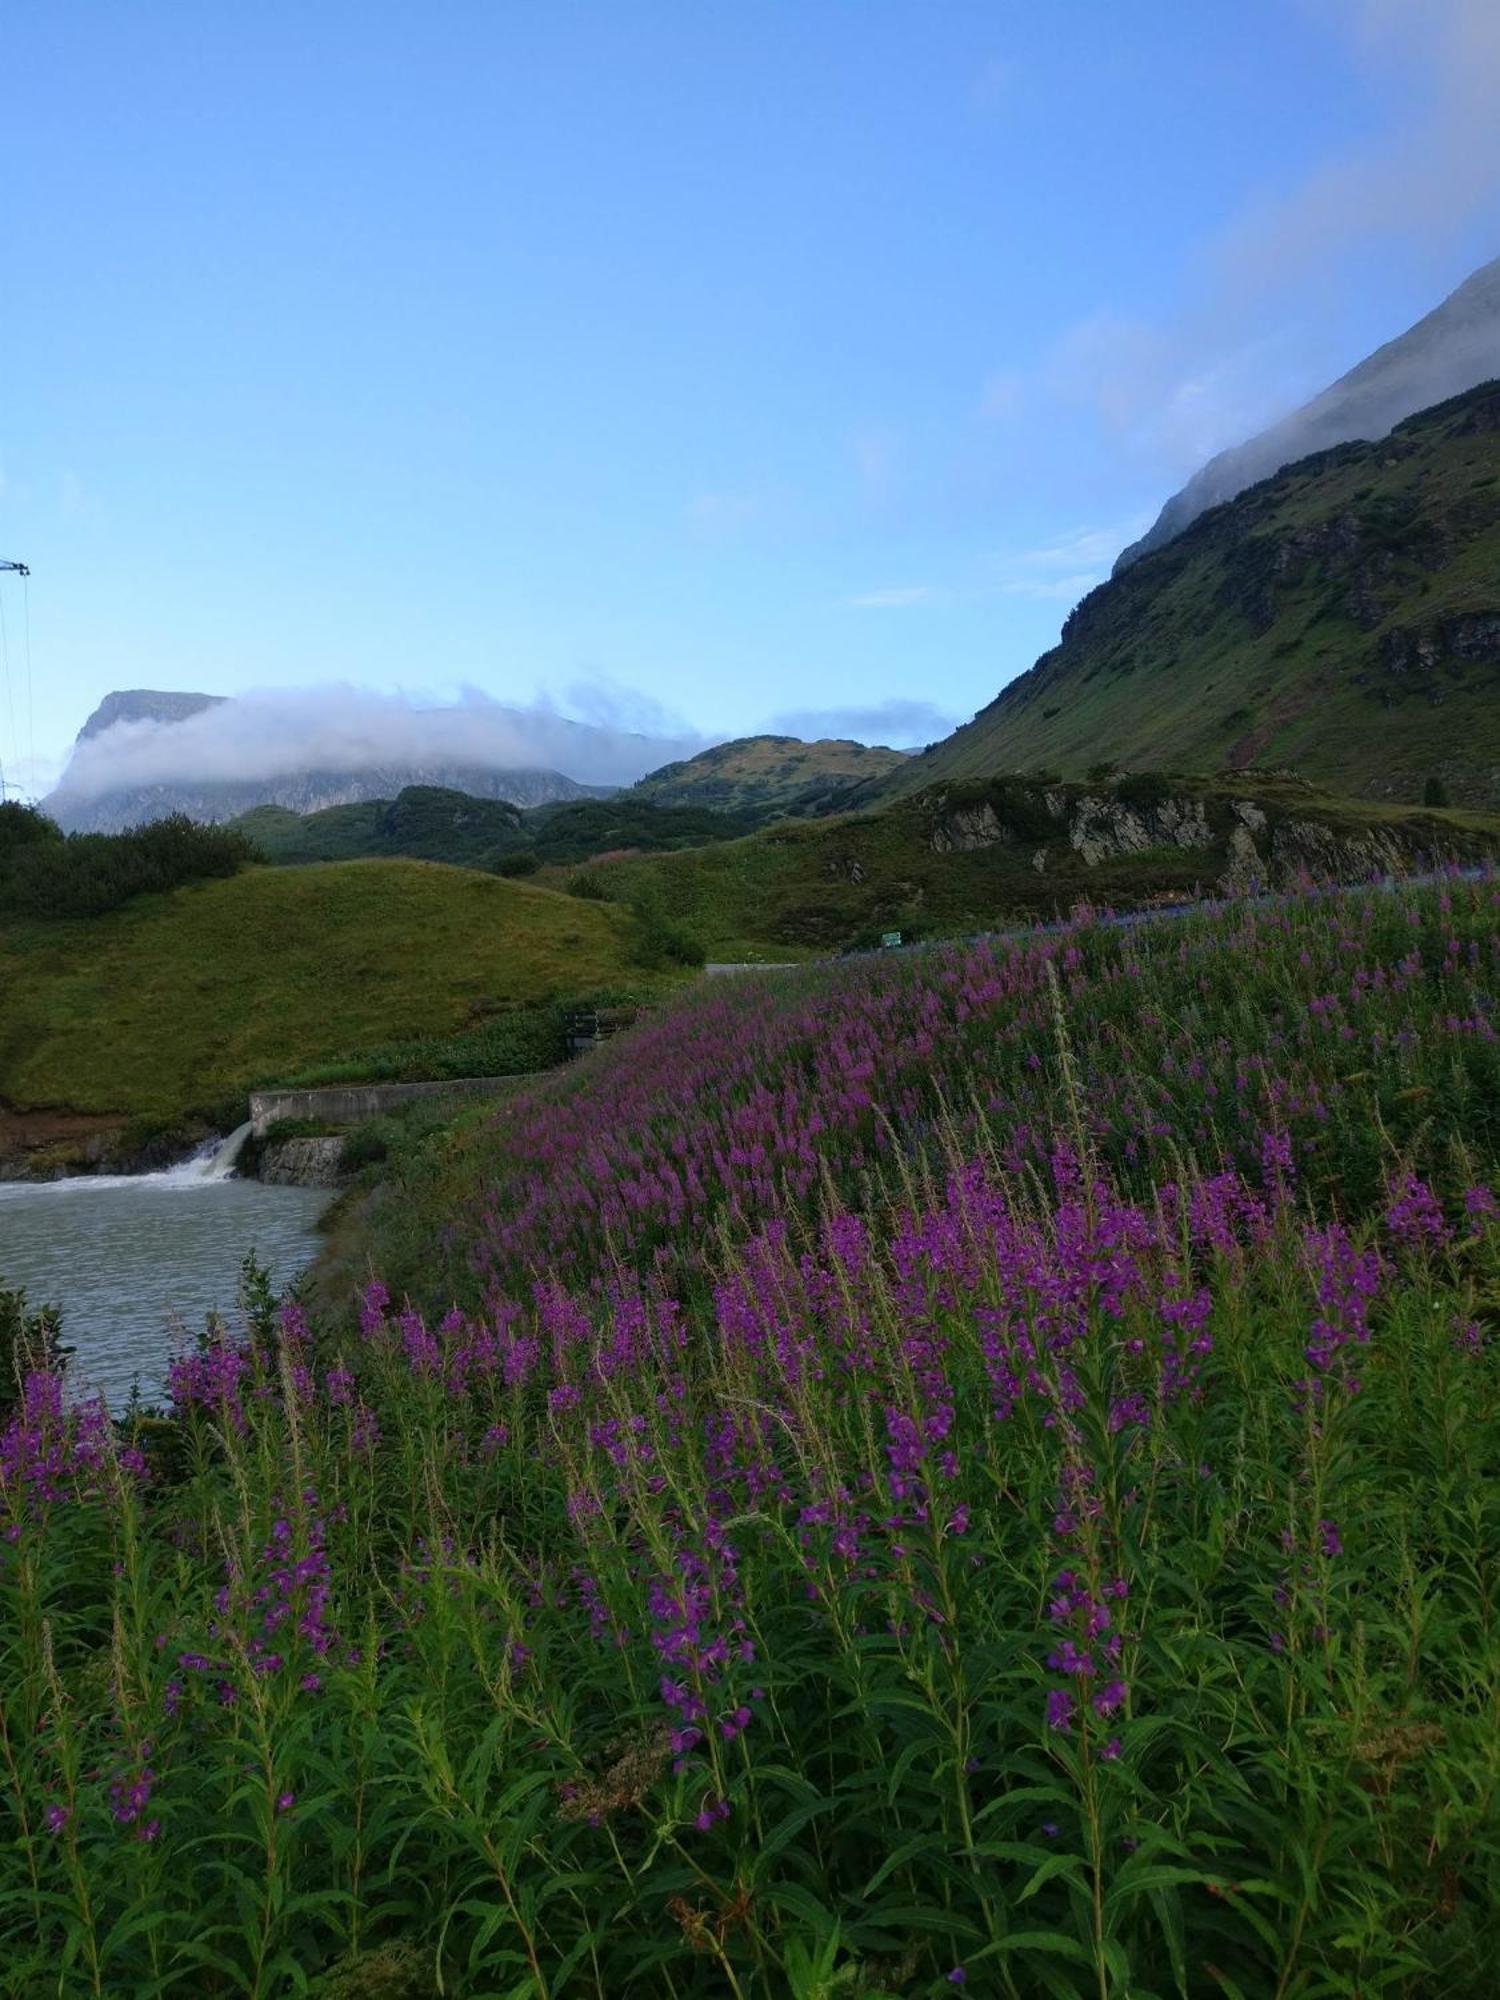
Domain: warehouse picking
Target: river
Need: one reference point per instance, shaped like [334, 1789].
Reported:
[135, 1263]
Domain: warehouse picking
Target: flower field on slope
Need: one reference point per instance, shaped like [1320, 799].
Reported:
[980, 1471]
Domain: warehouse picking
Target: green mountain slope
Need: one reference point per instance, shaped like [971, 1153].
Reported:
[176, 1001]
[1341, 619]
[767, 774]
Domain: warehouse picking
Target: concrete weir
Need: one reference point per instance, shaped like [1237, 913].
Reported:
[349, 1104]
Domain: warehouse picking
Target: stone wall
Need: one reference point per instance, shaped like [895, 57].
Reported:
[351, 1104]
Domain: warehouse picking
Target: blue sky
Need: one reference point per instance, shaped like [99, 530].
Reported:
[678, 363]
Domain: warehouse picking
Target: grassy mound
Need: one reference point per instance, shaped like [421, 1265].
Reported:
[178, 1001]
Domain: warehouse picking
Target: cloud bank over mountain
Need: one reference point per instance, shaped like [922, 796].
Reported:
[271, 734]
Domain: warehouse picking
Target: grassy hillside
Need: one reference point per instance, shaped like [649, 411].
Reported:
[178, 1001]
[422, 823]
[432, 823]
[1342, 619]
[964, 857]
[766, 774]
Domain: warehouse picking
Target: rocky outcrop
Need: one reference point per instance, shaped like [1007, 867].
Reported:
[1244, 844]
[1100, 827]
[967, 828]
[1416, 660]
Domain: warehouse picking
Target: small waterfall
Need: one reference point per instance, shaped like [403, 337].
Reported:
[219, 1164]
[214, 1161]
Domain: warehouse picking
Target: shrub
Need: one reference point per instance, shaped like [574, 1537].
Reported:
[660, 940]
[1435, 793]
[1145, 790]
[85, 874]
[23, 826]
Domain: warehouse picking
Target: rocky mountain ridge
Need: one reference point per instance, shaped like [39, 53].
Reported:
[1454, 347]
[1341, 619]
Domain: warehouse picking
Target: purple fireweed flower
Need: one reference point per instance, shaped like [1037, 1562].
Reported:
[1480, 1206]
[1276, 1157]
[1110, 1697]
[129, 1797]
[1328, 1536]
[1414, 1216]
[373, 1309]
[1468, 1336]
[57, 1818]
[1346, 1281]
[1059, 1709]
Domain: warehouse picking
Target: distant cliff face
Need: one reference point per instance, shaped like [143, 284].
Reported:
[145, 753]
[1452, 349]
[145, 705]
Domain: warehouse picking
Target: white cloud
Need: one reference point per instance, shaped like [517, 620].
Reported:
[1248, 344]
[1065, 569]
[281, 732]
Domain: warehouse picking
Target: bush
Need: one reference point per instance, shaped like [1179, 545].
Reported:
[1144, 790]
[522, 862]
[49, 874]
[23, 826]
[366, 1146]
[1435, 793]
[661, 940]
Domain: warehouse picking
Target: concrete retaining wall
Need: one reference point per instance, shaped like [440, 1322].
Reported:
[348, 1104]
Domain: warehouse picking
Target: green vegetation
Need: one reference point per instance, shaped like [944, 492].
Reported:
[499, 1041]
[430, 823]
[767, 775]
[46, 873]
[1342, 618]
[963, 857]
[176, 1001]
[577, 829]
[422, 823]
[975, 1469]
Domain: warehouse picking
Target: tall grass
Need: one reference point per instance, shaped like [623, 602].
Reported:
[1004, 1563]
